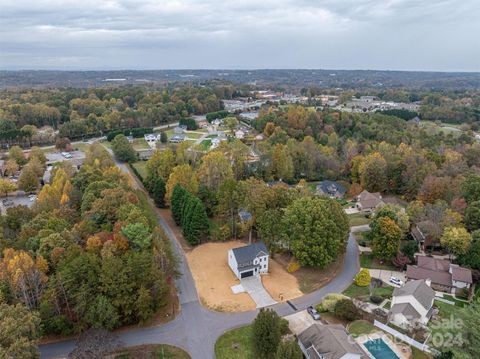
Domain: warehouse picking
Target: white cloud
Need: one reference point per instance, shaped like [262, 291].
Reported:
[383, 34]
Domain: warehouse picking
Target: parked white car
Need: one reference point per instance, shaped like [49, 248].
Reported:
[396, 281]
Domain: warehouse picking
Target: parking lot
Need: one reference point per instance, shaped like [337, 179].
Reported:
[13, 201]
[53, 157]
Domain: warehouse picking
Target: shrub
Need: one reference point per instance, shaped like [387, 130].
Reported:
[284, 329]
[320, 308]
[293, 267]
[330, 300]
[345, 309]
[189, 122]
[363, 278]
[376, 299]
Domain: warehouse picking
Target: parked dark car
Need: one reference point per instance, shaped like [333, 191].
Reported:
[313, 312]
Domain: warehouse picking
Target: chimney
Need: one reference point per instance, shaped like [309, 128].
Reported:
[428, 282]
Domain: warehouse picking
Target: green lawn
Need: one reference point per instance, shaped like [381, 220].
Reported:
[458, 302]
[140, 144]
[141, 167]
[106, 143]
[205, 144]
[418, 354]
[367, 260]
[358, 219]
[81, 146]
[161, 351]
[363, 293]
[193, 135]
[447, 310]
[361, 327]
[235, 344]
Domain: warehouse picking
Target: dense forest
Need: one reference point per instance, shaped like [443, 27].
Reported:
[30, 116]
[88, 254]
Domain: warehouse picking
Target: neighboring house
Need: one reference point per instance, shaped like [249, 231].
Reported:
[444, 275]
[180, 129]
[418, 235]
[411, 304]
[415, 120]
[47, 175]
[329, 342]
[331, 189]
[369, 202]
[244, 215]
[151, 137]
[239, 134]
[251, 260]
[177, 138]
[144, 154]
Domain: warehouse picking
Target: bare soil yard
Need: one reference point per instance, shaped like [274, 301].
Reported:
[213, 278]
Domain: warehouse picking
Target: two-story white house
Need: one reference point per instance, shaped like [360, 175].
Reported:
[411, 304]
[251, 260]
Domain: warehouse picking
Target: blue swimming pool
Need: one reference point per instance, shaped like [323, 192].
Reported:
[380, 350]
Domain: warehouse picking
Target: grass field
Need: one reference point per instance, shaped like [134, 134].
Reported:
[367, 260]
[361, 327]
[205, 144]
[161, 351]
[141, 167]
[81, 146]
[140, 144]
[363, 293]
[235, 344]
[358, 219]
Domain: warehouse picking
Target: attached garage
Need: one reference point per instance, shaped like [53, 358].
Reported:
[246, 274]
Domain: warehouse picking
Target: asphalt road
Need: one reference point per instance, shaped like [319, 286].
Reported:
[196, 328]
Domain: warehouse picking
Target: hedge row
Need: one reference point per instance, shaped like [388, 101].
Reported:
[134, 132]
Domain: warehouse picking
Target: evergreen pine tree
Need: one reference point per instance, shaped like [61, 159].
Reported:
[198, 224]
[178, 197]
[288, 349]
[188, 206]
[158, 192]
[266, 333]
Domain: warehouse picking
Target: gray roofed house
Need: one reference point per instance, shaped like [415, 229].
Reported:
[443, 275]
[329, 342]
[369, 202]
[331, 189]
[244, 215]
[249, 260]
[177, 138]
[412, 304]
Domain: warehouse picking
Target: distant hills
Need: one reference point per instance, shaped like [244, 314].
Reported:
[351, 79]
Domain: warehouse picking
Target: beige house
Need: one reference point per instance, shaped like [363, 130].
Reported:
[369, 202]
[411, 304]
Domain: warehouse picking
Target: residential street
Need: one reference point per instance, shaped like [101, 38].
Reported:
[196, 328]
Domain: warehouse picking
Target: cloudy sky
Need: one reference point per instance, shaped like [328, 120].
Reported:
[240, 34]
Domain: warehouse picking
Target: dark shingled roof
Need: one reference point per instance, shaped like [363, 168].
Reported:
[419, 290]
[331, 188]
[247, 254]
[330, 341]
[438, 271]
[406, 309]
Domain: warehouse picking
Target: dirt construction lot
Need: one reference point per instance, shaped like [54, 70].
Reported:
[213, 278]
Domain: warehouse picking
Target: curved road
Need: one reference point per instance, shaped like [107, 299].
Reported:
[196, 328]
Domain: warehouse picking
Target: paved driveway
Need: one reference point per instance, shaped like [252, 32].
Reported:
[384, 275]
[254, 287]
[300, 321]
